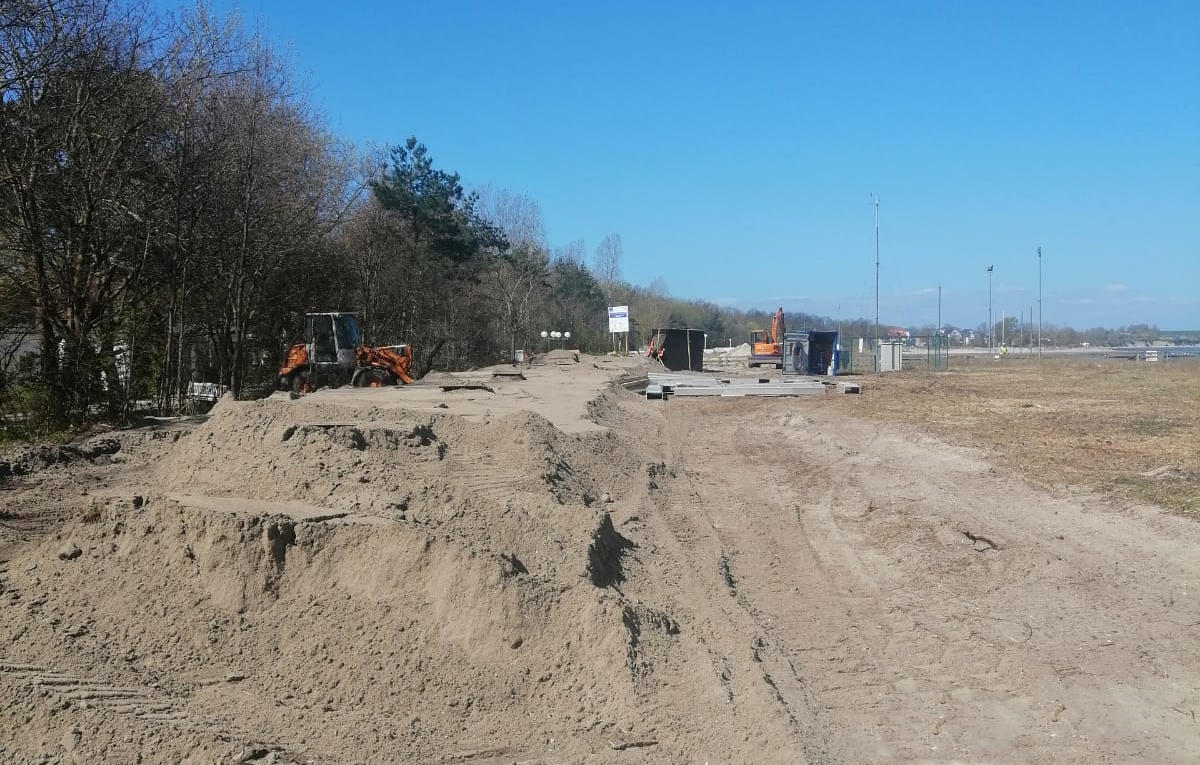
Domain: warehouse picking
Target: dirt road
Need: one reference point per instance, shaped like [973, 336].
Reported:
[510, 578]
[901, 602]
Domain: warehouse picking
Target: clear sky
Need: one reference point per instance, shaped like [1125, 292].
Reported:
[735, 147]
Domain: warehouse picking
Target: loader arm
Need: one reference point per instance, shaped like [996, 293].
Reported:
[393, 360]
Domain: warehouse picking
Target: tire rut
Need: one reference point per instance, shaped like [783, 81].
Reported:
[59, 689]
[711, 533]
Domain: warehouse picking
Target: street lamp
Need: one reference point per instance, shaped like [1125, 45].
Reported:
[990, 327]
[554, 334]
[1039, 302]
[877, 276]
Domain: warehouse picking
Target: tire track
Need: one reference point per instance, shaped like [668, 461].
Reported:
[61, 687]
[713, 534]
[58, 689]
[916, 661]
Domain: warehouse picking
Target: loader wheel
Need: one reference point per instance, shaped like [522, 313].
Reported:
[371, 378]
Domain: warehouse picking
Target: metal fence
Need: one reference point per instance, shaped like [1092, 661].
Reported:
[858, 355]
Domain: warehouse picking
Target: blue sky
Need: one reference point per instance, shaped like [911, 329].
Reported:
[735, 147]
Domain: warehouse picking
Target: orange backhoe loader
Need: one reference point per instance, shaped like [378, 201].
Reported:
[766, 346]
[333, 354]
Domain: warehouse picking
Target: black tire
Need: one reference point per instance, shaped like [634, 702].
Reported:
[372, 378]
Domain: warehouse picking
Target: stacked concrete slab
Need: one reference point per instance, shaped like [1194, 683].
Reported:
[661, 386]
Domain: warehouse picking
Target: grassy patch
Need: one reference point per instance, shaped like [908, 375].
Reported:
[1126, 429]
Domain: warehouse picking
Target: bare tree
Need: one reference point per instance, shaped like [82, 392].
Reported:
[519, 274]
[574, 251]
[369, 238]
[518, 216]
[606, 262]
[276, 191]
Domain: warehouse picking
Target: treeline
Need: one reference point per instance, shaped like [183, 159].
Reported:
[1016, 333]
[170, 208]
[166, 203]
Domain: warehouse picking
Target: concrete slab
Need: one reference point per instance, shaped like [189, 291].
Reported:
[778, 389]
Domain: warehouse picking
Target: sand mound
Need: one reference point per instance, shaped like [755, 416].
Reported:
[26, 460]
[243, 614]
[312, 563]
[420, 467]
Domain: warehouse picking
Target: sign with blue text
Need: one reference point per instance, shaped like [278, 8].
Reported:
[618, 318]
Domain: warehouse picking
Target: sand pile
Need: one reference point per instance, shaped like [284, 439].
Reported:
[300, 580]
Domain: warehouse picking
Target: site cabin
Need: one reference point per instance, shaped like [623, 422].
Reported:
[810, 352]
[679, 349]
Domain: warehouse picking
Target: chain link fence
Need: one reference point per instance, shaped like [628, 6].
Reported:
[858, 355]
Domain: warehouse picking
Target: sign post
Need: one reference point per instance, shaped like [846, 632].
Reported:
[618, 324]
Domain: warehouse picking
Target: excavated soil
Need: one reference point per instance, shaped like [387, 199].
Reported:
[487, 569]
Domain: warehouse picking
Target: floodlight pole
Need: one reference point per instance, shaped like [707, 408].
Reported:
[1039, 302]
[991, 328]
[939, 326]
[876, 274]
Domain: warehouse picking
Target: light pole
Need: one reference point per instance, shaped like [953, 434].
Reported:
[876, 274]
[1039, 302]
[939, 326]
[554, 334]
[990, 328]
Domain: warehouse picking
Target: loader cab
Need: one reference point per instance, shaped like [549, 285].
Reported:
[332, 338]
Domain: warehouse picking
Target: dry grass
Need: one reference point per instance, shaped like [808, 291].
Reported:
[1126, 429]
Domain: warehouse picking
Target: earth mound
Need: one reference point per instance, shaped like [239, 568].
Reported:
[305, 563]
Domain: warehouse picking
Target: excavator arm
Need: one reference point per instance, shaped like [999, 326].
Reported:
[777, 328]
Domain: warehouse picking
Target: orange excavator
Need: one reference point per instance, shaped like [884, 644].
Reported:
[766, 346]
[333, 354]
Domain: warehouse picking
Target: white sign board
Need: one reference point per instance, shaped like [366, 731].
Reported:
[618, 318]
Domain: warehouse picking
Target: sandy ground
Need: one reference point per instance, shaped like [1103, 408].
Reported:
[556, 570]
